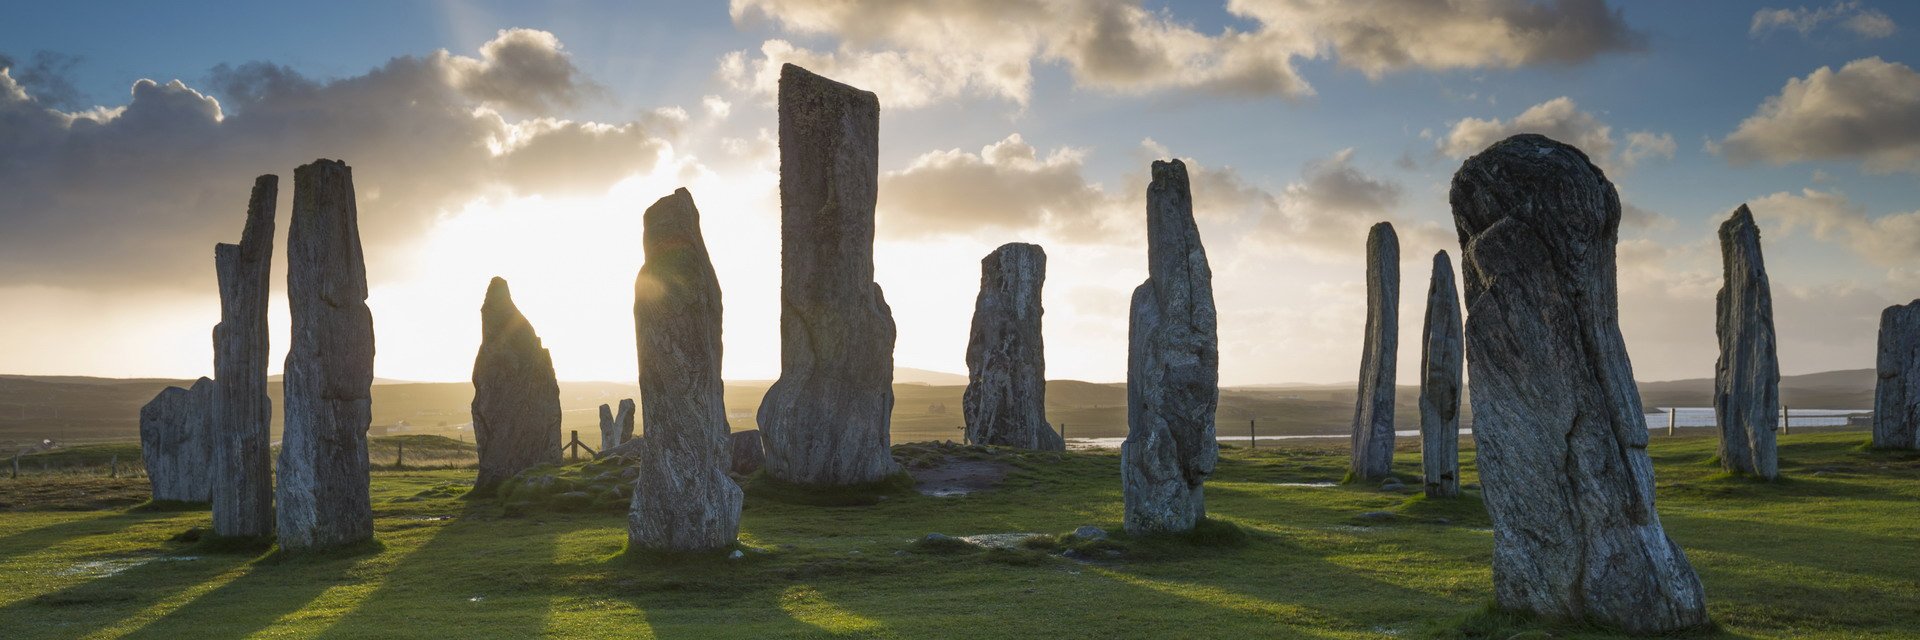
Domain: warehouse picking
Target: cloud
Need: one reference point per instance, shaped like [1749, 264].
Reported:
[1560, 119]
[1008, 185]
[1889, 241]
[914, 53]
[45, 78]
[1852, 15]
[147, 187]
[1867, 111]
[1644, 145]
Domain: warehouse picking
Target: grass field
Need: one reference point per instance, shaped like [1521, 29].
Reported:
[1833, 551]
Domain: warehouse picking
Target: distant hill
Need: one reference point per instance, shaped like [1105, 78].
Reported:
[1846, 389]
[910, 375]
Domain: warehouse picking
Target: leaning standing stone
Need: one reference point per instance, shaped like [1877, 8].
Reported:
[516, 399]
[1373, 406]
[176, 442]
[1440, 361]
[826, 419]
[1896, 397]
[1173, 368]
[683, 499]
[1556, 414]
[1746, 380]
[1006, 397]
[323, 482]
[242, 466]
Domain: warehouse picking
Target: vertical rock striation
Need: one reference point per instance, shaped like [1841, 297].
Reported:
[683, 500]
[1441, 356]
[825, 420]
[242, 468]
[1173, 368]
[516, 399]
[1556, 414]
[322, 489]
[1746, 379]
[1896, 396]
[1373, 406]
[176, 442]
[1006, 397]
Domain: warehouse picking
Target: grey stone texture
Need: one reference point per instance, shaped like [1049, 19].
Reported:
[516, 398]
[1372, 455]
[1006, 398]
[1442, 353]
[1746, 379]
[242, 465]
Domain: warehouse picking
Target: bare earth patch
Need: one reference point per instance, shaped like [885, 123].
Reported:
[955, 476]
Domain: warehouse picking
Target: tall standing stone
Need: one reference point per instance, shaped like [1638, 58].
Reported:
[1373, 408]
[516, 399]
[683, 499]
[1896, 396]
[242, 466]
[176, 442]
[1746, 380]
[1441, 356]
[1556, 414]
[1173, 368]
[825, 421]
[323, 482]
[616, 429]
[1006, 397]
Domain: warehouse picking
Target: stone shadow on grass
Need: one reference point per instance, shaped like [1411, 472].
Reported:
[123, 592]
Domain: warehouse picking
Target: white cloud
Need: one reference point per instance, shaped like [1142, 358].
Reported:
[1867, 111]
[1891, 240]
[915, 52]
[1008, 185]
[1645, 145]
[1851, 15]
[1560, 119]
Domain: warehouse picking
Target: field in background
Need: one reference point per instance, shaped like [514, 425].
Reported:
[80, 410]
[1826, 553]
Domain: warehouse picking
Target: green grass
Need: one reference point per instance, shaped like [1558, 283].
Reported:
[1832, 551]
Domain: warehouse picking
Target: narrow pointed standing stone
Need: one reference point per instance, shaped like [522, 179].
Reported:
[1006, 398]
[1173, 368]
[516, 399]
[825, 422]
[616, 429]
[323, 483]
[242, 414]
[1556, 414]
[1440, 362]
[1896, 396]
[1373, 408]
[1746, 380]
[683, 499]
[176, 442]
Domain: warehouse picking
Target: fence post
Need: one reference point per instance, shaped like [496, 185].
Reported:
[16, 465]
[1253, 439]
[1063, 433]
[113, 468]
[400, 455]
[1786, 419]
[1673, 418]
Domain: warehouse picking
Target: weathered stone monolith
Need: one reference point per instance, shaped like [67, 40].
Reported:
[242, 466]
[683, 499]
[516, 399]
[1006, 397]
[747, 456]
[1440, 362]
[1556, 414]
[1372, 455]
[323, 483]
[616, 429]
[176, 442]
[1746, 380]
[1173, 368]
[826, 420]
[1896, 397]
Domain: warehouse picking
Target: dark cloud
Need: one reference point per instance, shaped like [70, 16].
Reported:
[136, 195]
[46, 77]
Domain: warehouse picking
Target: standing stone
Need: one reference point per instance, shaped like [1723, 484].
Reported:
[1173, 368]
[242, 468]
[516, 400]
[1006, 397]
[1746, 380]
[825, 421]
[616, 429]
[323, 482]
[1556, 414]
[1896, 396]
[683, 499]
[623, 419]
[1440, 361]
[176, 430]
[1373, 408]
[747, 455]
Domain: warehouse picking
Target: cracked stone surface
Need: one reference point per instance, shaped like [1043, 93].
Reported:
[242, 465]
[1896, 396]
[1373, 404]
[1441, 355]
[516, 399]
[1746, 379]
[1006, 398]
[176, 442]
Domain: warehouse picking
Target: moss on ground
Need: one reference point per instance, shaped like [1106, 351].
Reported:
[1827, 553]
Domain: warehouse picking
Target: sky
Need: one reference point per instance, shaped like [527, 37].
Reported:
[523, 140]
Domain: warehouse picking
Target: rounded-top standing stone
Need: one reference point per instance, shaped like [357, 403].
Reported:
[1006, 397]
[516, 399]
[1746, 379]
[1556, 414]
[1441, 355]
[1372, 455]
[1173, 368]
[1896, 396]
[176, 442]
[825, 421]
